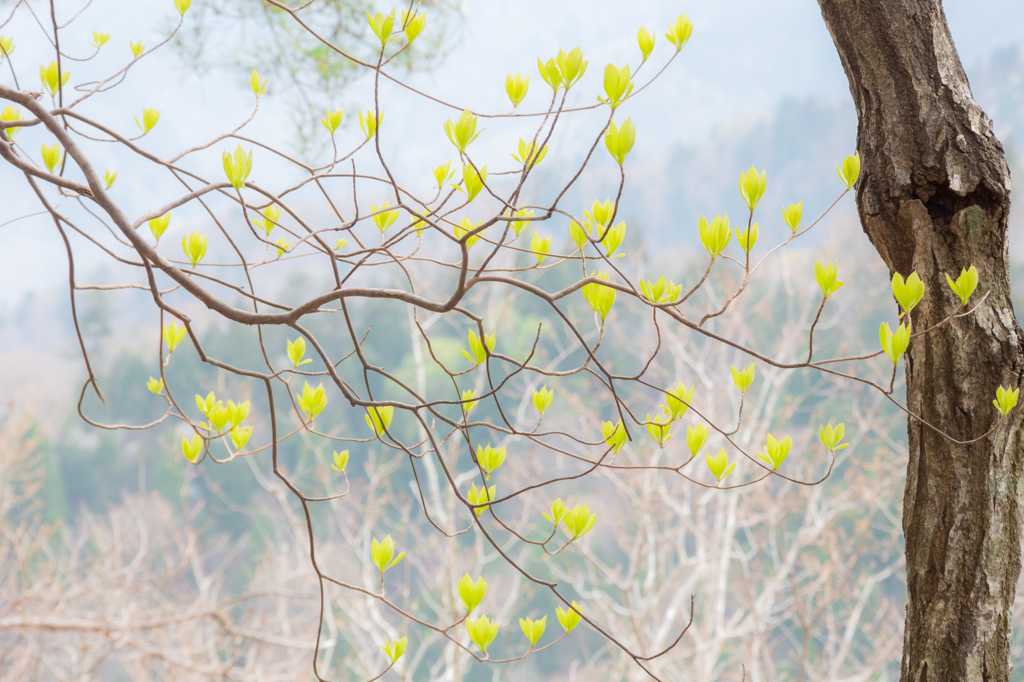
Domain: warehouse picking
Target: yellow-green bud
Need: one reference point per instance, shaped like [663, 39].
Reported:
[381, 25]
[471, 593]
[540, 247]
[620, 139]
[743, 378]
[792, 215]
[752, 187]
[516, 87]
[257, 87]
[533, 629]
[463, 132]
[370, 123]
[332, 119]
[907, 293]
[1005, 400]
[51, 156]
[826, 277]
[413, 26]
[646, 42]
[719, 465]
[194, 246]
[542, 399]
[53, 79]
[568, 618]
[482, 632]
[159, 225]
[679, 32]
[149, 119]
[340, 461]
[894, 343]
[965, 284]
[849, 170]
[237, 167]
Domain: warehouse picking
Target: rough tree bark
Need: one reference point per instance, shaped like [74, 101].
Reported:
[934, 196]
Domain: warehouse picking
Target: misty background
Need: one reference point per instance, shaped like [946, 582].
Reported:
[758, 83]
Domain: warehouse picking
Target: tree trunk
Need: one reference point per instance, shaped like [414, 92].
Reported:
[934, 196]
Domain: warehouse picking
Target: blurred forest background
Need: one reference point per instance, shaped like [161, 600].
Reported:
[794, 583]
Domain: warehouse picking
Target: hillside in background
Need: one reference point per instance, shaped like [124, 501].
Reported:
[797, 142]
[796, 135]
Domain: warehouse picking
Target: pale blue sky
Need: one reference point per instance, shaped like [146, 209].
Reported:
[743, 59]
